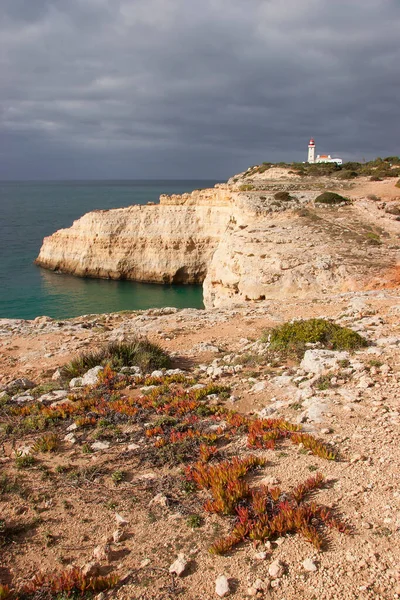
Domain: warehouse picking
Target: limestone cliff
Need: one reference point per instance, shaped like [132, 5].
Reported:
[167, 243]
[241, 239]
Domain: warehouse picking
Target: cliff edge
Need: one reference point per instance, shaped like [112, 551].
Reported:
[261, 235]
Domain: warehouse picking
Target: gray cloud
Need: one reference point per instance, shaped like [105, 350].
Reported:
[156, 88]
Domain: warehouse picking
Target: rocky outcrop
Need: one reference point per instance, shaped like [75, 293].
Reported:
[166, 243]
[241, 239]
[297, 253]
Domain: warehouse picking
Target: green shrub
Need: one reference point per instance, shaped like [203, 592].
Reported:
[398, 184]
[141, 353]
[25, 462]
[294, 337]
[347, 174]
[246, 187]
[282, 196]
[262, 168]
[393, 160]
[373, 239]
[375, 178]
[330, 198]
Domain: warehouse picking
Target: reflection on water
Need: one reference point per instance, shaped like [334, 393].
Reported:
[68, 296]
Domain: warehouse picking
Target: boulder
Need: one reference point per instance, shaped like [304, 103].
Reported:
[91, 376]
[320, 362]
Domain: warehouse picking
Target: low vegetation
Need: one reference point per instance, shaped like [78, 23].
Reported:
[282, 196]
[71, 583]
[377, 169]
[330, 198]
[293, 338]
[139, 352]
[177, 422]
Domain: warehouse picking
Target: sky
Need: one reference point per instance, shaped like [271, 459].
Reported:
[129, 89]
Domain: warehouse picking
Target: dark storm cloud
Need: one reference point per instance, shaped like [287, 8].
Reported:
[142, 88]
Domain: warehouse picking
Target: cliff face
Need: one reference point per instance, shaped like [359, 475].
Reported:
[244, 244]
[166, 244]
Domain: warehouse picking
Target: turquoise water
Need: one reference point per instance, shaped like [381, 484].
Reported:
[29, 211]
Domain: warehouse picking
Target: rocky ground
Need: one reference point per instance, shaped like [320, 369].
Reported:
[65, 507]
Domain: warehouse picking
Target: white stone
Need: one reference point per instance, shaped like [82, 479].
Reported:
[276, 569]
[365, 382]
[179, 566]
[91, 376]
[70, 438]
[259, 387]
[322, 361]
[53, 396]
[309, 565]
[22, 399]
[157, 374]
[222, 588]
[100, 445]
[131, 447]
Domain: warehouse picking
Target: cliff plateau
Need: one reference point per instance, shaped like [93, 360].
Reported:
[243, 240]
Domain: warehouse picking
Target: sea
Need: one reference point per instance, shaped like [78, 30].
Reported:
[29, 211]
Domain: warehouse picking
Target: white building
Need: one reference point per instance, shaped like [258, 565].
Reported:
[321, 158]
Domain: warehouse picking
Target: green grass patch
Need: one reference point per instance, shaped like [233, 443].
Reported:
[293, 337]
[141, 353]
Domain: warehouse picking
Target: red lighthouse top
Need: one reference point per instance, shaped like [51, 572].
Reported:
[311, 142]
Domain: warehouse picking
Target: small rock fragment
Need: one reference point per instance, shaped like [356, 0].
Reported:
[57, 375]
[100, 445]
[157, 374]
[121, 521]
[276, 569]
[145, 563]
[222, 588]
[159, 499]
[91, 569]
[102, 552]
[178, 567]
[309, 565]
[118, 535]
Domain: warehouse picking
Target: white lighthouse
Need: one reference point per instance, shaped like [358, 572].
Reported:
[311, 151]
[321, 158]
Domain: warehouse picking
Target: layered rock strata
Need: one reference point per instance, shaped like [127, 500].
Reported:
[166, 243]
[239, 239]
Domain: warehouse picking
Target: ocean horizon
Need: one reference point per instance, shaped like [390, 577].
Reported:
[32, 210]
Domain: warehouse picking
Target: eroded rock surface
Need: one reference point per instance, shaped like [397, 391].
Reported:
[242, 241]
